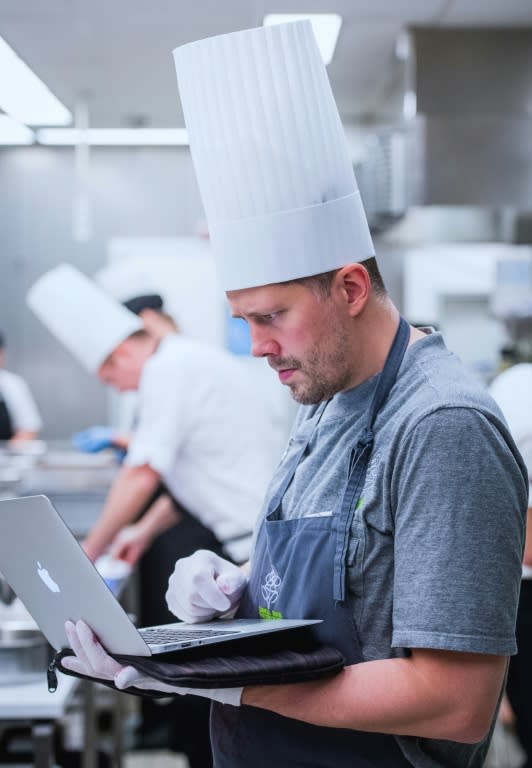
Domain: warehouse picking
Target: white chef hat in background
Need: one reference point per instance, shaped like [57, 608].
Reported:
[88, 322]
[270, 156]
[131, 286]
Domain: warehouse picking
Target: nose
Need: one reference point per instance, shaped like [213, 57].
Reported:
[262, 344]
[103, 373]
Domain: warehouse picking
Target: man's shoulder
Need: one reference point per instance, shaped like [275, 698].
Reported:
[434, 379]
[194, 364]
[171, 354]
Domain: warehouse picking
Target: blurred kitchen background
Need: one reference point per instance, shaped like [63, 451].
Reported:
[436, 98]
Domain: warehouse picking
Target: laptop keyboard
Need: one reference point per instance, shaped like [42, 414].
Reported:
[161, 636]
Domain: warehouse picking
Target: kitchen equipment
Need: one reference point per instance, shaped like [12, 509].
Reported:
[24, 652]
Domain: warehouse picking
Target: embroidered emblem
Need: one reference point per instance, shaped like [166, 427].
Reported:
[270, 587]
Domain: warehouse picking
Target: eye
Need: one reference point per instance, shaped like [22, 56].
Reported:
[267, 319]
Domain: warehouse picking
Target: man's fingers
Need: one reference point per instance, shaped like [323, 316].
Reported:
[74, 664]
[232, 584]
[77, 646]
[208, 593]
[127, 677]
[99, 660]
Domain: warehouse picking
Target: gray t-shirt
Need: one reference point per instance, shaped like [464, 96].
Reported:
[437, 538]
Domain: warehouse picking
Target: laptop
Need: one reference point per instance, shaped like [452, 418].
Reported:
[56, 581]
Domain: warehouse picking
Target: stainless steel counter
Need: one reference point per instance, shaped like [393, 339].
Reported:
[76, 483]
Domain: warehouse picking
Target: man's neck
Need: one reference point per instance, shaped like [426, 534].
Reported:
[374, 334]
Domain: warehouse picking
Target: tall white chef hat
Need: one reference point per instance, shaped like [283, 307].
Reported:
[88, 322]
[132, 287]
[270, 156]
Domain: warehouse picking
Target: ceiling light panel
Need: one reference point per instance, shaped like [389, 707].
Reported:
[23, 96]
[13, 133]
[108, 137]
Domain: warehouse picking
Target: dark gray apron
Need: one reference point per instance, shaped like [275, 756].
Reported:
[299, 571]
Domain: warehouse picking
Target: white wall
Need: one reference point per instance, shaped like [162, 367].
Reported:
[451, 286]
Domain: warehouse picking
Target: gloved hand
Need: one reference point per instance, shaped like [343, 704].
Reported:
[93, 439]
[96, 439]
[92, 660]
[204, 586]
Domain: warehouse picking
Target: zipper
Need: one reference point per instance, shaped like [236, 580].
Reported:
[51, 674]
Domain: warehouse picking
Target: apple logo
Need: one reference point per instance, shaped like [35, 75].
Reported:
[47, 579]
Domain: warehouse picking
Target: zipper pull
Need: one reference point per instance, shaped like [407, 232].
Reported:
[51, 675]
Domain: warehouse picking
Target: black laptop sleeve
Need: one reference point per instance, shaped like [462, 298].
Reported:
[284, 657]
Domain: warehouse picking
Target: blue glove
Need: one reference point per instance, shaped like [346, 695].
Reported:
[94, 439]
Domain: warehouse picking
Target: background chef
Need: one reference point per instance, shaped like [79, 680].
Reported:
[200, 430]
[19, 415]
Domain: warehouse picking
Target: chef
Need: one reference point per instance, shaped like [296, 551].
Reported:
[19, 416]
[142, 543]
[396, 514]
[201, 430]
[134, 289]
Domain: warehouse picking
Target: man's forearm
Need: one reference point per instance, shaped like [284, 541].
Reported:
[129, 494]
[437, 695]
[161, 516]
[24, 434]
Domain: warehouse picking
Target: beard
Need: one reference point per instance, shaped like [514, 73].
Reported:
[322, 373]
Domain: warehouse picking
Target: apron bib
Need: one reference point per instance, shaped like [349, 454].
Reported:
[299, 571]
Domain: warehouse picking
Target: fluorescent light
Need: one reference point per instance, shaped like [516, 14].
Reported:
[131, 137]
[326, 28]
[403, 45]
[409, 105]
[12, 132]
[23, 96]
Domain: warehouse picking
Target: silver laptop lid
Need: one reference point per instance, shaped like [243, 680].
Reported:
[53, 577]
[56, 581]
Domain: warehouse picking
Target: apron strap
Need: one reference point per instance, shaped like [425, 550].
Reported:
[360, 456]
[291, 465]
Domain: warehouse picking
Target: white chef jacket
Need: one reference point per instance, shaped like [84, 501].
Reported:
[512, 390]
[204, 428]
[19, 401]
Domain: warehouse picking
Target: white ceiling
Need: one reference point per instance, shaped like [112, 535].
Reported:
[118, 53]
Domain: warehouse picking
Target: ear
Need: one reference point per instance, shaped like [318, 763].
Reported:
[352, 284]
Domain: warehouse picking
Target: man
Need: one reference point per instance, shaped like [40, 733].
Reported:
[201, 431]
[19, 416]
[512, 390]
[135, 291]
[396, 514]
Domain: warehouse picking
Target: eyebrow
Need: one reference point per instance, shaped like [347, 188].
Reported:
[255, 315]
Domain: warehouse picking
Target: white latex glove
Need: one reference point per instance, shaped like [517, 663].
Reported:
[92, 660]
[204, 586]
